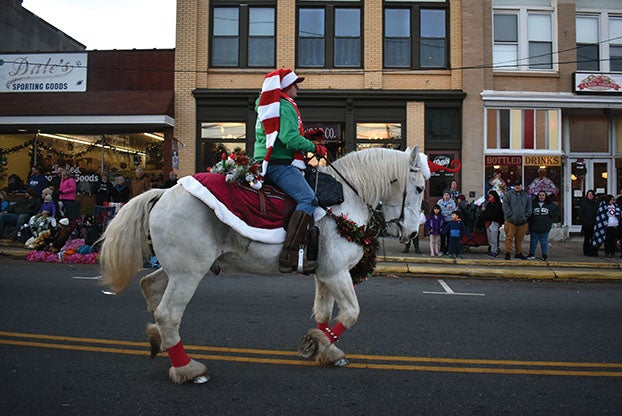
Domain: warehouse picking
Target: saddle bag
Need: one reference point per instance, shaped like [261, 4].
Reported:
[329, 191]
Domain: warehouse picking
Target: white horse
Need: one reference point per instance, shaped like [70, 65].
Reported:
[188, 239]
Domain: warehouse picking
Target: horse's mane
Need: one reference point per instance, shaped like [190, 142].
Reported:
[372, 172]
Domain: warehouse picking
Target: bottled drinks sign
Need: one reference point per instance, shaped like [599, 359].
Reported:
[43, 72]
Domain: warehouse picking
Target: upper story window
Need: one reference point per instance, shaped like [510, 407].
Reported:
[243, 36]
[523, 37]
[415, 35]
[520, 130]
[329, 35]
[599, 41]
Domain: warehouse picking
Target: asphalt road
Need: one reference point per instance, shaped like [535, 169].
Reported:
[421, 347]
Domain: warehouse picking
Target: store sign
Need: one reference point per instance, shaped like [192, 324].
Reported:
[597, 83]
[43, 72]
[543, 161]
[503, 160]
[331, 131]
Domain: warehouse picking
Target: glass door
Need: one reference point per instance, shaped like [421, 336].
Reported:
[586, 174]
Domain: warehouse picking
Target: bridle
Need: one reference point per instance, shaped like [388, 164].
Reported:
[377, 220]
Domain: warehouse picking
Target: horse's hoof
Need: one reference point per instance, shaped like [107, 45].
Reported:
[342, 362]
[308, 347]
[201, 379]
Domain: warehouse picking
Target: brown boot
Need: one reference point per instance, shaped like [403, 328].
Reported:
[296, 234]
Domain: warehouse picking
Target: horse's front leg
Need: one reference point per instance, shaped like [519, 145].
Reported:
[320, 343]
[165, 332]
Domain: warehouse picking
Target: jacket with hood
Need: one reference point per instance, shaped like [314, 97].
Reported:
[516, 207]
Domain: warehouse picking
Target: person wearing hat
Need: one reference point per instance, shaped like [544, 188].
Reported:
[516, 210]
[281, 145]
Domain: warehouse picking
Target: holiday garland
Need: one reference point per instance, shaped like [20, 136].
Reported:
[364, 236]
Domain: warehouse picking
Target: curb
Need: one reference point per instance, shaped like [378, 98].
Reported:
[471, 269]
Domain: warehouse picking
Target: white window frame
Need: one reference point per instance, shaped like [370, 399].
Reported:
[522, 13]
[603, 17]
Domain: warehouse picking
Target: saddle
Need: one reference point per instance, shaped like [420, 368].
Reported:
[261, 215]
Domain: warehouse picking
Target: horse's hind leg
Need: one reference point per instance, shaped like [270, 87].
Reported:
[168, 314]
[153, 286]
[320, 343]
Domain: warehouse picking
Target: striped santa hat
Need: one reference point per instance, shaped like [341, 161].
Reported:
[269, 110]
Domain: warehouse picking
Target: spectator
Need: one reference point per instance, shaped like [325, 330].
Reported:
[516, 210]
[587, 215]
[70, 208]
[448, 206]
[492, 216]
[16, 184]
[48, 205]
[120, 191]
[172, 179]
[455, 229]
[608, 220]
[543, 212]
[103, 190]
[454, 192]
[37, 180]
[4, 201]
[434, 227]
[19, 213]
[140, 183]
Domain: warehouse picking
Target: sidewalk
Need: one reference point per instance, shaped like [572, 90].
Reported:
[566, 262]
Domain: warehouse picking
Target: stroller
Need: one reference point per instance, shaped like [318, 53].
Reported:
[471, 217]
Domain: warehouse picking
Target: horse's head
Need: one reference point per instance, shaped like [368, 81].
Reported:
[403, 210]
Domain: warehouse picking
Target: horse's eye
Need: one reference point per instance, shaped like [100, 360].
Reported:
[419, 189]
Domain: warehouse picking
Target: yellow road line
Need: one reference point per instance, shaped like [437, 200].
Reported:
[456, 368]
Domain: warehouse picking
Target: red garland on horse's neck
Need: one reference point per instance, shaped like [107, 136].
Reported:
[453, 166]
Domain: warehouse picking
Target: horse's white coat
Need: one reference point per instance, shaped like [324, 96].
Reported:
[188, 238]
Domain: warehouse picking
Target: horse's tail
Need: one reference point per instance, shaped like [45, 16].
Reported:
[126, 240]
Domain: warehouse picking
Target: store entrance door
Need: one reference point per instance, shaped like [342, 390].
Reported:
[586, 174]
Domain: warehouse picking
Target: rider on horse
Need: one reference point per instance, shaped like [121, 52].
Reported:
[280, 143]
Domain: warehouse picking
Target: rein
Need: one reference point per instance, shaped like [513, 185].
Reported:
[377, 221]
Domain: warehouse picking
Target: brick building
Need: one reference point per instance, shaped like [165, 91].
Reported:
[543, 81]
[377, 73]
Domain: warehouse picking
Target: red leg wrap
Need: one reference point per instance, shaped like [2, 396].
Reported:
[177, 355]
[323, 326]
[333, 333]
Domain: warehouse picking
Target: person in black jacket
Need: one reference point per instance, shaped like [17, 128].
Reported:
[540, 222]
[19, 213]
[103, 190]
[587, 215]
[492, 217]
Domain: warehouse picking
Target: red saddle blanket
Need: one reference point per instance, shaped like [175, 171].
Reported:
[259, 215]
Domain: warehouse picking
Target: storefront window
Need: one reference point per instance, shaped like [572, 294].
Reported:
[218, 138]
[387, 135]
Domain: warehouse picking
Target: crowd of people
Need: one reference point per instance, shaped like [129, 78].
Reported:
[518, 212]
[46, 214]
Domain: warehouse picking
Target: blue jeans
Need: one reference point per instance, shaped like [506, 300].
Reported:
[543, 239]
[291, 180]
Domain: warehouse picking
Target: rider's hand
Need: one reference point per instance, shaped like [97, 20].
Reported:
[320, 150]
